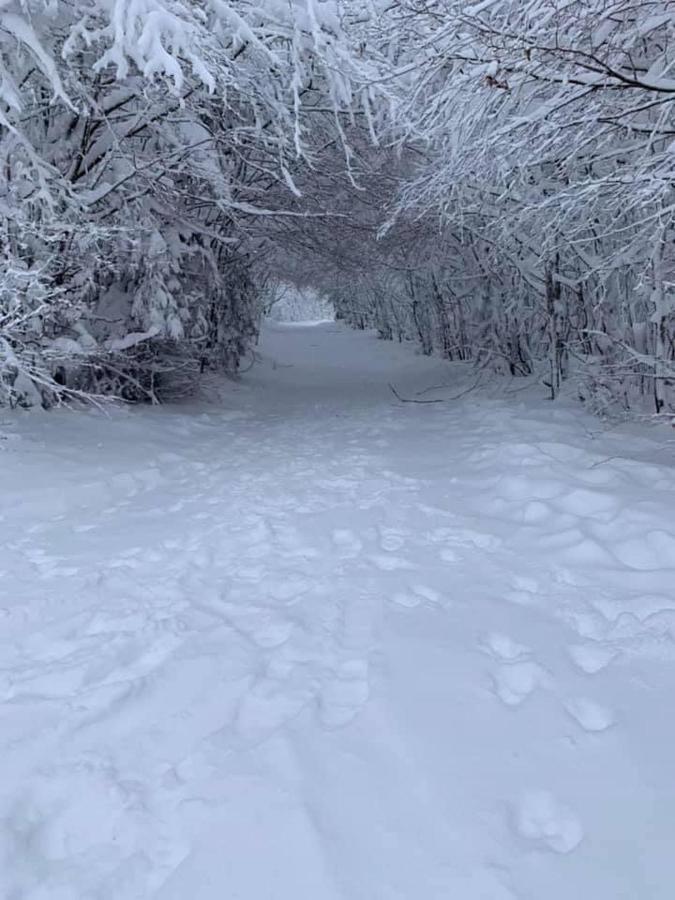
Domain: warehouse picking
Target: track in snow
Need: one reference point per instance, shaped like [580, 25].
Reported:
[313, 643]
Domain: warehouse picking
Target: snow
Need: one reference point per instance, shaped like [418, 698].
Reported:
[311, 642]
[541, 818]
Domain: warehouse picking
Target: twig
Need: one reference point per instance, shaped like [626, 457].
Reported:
[411, 400]
[601, 462]
[438, 399]
[434, 387]
[461, 394]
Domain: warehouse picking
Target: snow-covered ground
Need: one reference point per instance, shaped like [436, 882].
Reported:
[311, 643]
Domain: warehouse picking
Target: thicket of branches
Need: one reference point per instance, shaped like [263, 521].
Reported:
[493, 180]
[139, 140]
[533, 227]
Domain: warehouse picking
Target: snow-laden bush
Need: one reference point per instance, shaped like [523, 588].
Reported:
[139, 139]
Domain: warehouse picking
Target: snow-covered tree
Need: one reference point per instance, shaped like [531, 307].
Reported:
[548, 133]
[139, 141]
[490, 179]
[526, 222]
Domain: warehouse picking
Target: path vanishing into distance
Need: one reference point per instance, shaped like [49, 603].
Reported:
[309, 642]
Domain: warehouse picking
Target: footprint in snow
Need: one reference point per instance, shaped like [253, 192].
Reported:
[542, 819]
[589, 624]
[391, 539]
[344, 693]
[265, 627]
[461, 537]
[514, 682]
[273, 701]
[390, 563]
[289, 591]
[504, 648]
[348, 544]
[479, 539]
[524, 592]
[448, 555]
[439, 535]
[54, 816]
[418, 593]
[590, 715]
[591, 658]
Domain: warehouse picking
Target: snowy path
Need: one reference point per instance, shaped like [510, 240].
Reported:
[316, 644]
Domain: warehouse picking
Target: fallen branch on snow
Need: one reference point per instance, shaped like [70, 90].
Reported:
[435, 400]
[412, 400]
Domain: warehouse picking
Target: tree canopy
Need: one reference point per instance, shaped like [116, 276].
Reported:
[493, 180]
